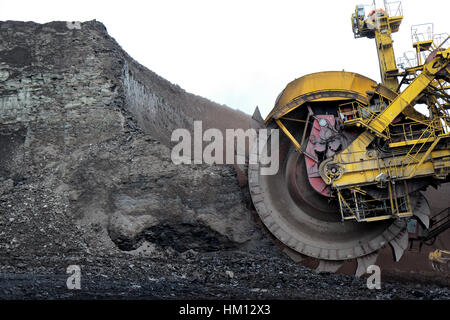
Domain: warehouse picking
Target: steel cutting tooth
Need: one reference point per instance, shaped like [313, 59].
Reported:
[422, 211]
[294, 255]
[329, 266]
[399, 244]
[256, 121]
[364, 262]
[257, 116]
[424, 219]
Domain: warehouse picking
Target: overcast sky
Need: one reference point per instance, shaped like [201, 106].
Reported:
[241, 53]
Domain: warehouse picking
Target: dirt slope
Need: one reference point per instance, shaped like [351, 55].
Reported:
[82, 166]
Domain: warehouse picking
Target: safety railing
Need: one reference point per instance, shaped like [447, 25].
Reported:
[407, 60]
[415, 130]
[354, 111]
[422, 32]
[394, 8]
[430, 134]
[357, 206]
[440, 40]
[426, 134]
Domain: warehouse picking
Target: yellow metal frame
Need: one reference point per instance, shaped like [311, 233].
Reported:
[438, 255]
[322, 86]
[419, 153]
[381, 26]
[358, 168]
[392, 198]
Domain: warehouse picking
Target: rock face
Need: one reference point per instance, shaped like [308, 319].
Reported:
[84, 158]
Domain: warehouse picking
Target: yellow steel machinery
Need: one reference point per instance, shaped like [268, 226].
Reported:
[440, 260]
[355, 154]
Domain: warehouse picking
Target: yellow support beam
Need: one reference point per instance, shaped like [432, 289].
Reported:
[289, 135]
[411, 142]
[424, 156]
[407, 97]
[366, 172]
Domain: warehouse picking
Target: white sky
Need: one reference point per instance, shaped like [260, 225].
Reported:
[241, 53]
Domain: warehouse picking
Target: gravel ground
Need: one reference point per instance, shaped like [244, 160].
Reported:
[191, 275]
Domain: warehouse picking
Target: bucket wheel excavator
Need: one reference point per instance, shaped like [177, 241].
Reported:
[355, 154]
